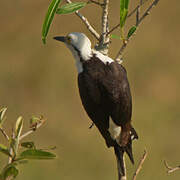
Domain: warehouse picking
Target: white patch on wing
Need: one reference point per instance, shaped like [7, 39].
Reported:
[114, 130]
[103, 58]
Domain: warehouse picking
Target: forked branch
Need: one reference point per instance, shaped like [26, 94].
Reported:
[171, 169]
[31, 130]
[86, 22]
[138, 22]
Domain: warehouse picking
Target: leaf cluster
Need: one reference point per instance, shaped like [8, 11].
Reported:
[19, 152]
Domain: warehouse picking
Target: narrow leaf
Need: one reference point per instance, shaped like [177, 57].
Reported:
[123, 18]
[48, 18]
[70, 8]
[115, 36]
[126, 5]
[2, 115]
[36, 154]
[122, 5]
[131, 31]
[9, 172]
[4, 150]
[29, 145]
[18, 127]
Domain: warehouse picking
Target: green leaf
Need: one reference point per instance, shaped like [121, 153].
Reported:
[131, 31]
[126, 4]
[36, 154]
[4, 150]
[2, 115]
[35, 120]
[9, 172]
[70, 8]
[122, 5]
[18, 127]
[29, 145]
[48, 18]
[115, 36]
[123, 18]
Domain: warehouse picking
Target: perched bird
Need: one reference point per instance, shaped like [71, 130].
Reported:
[105, 94]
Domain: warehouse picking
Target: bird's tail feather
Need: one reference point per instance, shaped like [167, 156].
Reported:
[119, 152]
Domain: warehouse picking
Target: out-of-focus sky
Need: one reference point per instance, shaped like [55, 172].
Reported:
[40, 79]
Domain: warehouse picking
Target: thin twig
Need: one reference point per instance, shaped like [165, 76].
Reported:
[171, 169]
[137, 14]
[141, 162]
[86, 22]
[95, 2]
[10, 159]
[105, 20]
[31, 131]
[147, 12]
[4, 133]
[129, 15]
[118, 58]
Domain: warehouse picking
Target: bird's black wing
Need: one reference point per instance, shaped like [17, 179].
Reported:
[116, 86]
[92, 102]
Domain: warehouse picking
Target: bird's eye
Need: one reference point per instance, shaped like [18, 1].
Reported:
[68, 39]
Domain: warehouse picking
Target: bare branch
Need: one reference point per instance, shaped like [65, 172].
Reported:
[32, 130]
[129, 15]
[95, 2]
[86, 22]
[137, 14]
[147, 12]
[4, 133]
[135, 9]
[105, 21]
[171, 169]
[118, 58]
[10, 159]
[103, 45]
[141, 162]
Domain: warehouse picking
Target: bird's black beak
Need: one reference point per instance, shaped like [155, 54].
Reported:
[60, 38]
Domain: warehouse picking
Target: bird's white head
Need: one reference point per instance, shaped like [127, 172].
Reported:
[79, 44]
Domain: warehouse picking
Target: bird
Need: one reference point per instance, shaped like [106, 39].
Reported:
[105, 95]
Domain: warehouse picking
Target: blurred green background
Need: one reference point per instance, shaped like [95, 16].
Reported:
[41, 79]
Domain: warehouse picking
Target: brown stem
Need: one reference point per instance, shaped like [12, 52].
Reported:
[171, 169]
[4, 133]
[141, 162]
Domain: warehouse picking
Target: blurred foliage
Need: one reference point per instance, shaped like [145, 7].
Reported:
[37, 78]
[17, 155]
